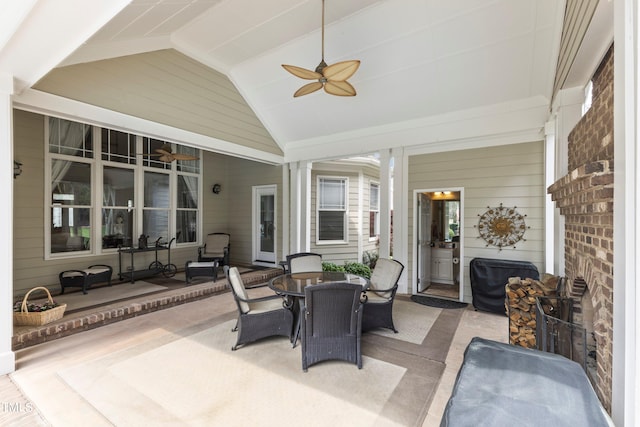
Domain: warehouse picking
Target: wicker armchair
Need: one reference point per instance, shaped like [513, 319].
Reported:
[331, 327]
[216, 248]
[378, 305]
[257, 317]
[304, 262]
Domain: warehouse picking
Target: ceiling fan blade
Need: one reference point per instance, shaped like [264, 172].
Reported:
[339, 88]
[180, 156]
[341, 71]
[303, 73]
[307, 89]
[166, 158]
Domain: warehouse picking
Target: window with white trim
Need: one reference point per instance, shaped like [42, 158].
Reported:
[98, 198]
[374, 210]
[332, 209]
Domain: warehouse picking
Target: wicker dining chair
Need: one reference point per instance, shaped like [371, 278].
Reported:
[331, 324]
[257, 317]
[304, 262]
[378, 305]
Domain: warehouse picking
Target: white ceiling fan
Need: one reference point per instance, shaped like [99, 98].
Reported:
[332, 77]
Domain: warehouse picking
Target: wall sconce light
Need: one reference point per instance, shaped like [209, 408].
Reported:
[17, 169]
[216, 188]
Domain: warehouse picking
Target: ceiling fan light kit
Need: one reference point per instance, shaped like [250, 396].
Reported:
[332, 77]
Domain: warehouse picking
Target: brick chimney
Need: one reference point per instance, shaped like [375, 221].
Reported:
[585, 199]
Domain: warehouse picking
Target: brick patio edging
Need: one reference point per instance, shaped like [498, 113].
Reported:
[83, 321]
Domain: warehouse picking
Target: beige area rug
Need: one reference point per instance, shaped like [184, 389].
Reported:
[413, 321]
[105, 294]
[197, 380]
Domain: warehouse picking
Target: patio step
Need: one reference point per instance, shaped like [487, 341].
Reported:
[86, 320]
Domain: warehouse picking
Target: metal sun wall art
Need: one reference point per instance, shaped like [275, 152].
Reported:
[502, 226]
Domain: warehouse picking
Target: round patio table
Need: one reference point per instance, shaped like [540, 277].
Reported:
[293, 284]
[291, 287]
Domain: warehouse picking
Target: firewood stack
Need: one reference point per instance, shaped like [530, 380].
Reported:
[520, 304]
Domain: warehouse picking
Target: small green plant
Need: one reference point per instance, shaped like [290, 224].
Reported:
[331, 266]
[356, 268]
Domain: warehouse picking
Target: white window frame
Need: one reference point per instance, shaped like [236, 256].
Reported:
[97, 165]
[345, 210]
[376, 210]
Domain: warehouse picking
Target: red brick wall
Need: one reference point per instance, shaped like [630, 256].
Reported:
[585, 199]
[592, 138]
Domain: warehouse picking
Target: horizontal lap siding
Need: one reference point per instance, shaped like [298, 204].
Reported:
[243, 175]
[167, 87]
[512, 175]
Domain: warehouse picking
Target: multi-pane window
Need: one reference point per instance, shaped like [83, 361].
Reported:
[155, 211]
[118, 195]
[118, 146]
[374, 210]
[70, 206]
[187, 208]
[332, 209]
[70, 138]
[154, 153]
[117, 211]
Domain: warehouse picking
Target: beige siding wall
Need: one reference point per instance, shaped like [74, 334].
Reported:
[512, 175]
[229, 211]
[215, 213]
[167, 87]
[242, 176]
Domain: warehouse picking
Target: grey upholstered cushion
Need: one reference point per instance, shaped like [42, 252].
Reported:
[305, 264]
[215, 245]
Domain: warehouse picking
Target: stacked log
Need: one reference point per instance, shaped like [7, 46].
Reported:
[520, 304]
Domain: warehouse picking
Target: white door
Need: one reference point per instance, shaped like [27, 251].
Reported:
[424, 242]
[264, 208]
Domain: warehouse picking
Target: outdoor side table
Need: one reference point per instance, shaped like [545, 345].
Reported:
[199, 269]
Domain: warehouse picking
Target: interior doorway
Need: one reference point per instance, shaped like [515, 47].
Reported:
[439, 243]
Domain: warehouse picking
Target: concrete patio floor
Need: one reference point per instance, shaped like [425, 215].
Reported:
[18, 409]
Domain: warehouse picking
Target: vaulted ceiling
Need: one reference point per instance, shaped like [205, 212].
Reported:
[425, 64]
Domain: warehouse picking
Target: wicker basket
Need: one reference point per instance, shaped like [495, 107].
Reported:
[37, 318]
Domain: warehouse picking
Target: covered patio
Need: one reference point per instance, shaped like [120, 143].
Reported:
[506, 104]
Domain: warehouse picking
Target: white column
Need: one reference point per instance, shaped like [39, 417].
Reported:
[295, 206]
[305, 200]
[286, 211]
[386, 204]
[549, 208]
[400, 209]
[300, 202]
[7, 357]
[626, 199]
